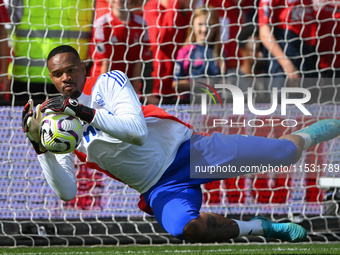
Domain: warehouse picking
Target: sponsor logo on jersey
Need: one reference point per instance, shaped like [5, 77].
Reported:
[99, 100]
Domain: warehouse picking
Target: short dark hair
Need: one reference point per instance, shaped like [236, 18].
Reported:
[62, 49]
[246, 32]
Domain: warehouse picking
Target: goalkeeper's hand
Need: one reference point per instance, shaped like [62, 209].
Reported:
[30, 125]
[69, 106]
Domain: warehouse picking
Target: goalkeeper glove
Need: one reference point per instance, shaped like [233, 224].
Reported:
[69, 106]
[30, 125]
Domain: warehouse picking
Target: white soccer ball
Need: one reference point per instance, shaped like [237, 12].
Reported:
[60, 133]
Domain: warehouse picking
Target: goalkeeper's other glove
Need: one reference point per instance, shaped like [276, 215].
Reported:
[69, 106]
[30, 125]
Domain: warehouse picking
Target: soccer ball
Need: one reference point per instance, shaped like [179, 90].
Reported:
[60, 133]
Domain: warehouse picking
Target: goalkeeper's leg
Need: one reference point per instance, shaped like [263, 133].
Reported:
[212, 227]
[177, 206]
[318, 132]
[209, 227]
[323, 130]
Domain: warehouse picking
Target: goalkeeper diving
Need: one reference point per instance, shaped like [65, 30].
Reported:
[150, 150]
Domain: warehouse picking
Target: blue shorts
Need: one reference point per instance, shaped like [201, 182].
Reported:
[176, 198]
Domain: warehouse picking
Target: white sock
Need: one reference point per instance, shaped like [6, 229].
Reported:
[253, 227]
[306, 137]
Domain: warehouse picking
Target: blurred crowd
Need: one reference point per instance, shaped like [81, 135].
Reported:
[167, 47]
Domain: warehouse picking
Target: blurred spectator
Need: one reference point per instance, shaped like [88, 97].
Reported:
[328, 46]
[40, 26]
[102, 7]
[232, 14]
[328, 34]
[4, 53]
[120, 38]
[167, 22]
[200, 59]
[286, 32]
[251, 73]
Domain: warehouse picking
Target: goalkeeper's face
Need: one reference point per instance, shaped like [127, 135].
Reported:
[67, 73]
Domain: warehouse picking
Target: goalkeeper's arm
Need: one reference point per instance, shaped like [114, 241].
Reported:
[122, 117]
[60, 174]
[58, 169]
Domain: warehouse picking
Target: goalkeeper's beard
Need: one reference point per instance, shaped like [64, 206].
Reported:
[73, 95]
[76, 94]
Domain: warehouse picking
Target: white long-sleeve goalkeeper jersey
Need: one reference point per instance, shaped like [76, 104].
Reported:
[125, 140]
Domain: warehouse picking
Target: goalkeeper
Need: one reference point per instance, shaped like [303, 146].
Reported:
[150, 151]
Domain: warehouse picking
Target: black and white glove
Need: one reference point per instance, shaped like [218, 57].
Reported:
[30, 125]
[69, 106]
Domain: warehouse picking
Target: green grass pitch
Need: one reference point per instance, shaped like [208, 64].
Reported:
[260, 249]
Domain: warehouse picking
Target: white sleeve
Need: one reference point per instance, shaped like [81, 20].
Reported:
[122, 117]
[60, 174]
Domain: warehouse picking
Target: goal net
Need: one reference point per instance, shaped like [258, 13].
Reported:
[105, 211]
